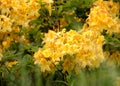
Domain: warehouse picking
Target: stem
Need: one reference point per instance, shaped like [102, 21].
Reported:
[62, 82]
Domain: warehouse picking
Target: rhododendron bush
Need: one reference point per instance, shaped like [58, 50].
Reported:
[59, 42]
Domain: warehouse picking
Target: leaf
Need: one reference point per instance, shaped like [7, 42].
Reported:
[60, 9]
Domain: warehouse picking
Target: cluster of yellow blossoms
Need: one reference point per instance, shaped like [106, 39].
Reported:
[75, 49]
[104, 15]
[15, 13]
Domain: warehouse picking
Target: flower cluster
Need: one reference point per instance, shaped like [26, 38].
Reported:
[13, 15]
[74, 49]
[104, 15]
[17, 13]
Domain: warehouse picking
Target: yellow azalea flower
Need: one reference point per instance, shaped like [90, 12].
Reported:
[50, 36]
[10, 64]
[48, 5]
[100, 39]
[45, 65]
[67, 65]
[72, 48]
[5, 23]
[38, 55]
[47, 53]
[55, 57]
[65, 49]
[6, 43]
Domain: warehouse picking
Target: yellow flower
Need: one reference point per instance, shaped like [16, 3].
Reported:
[100, 39]
[55, 58]
[65, 49]
[45, 65]
[6, 43]
[47, 53]
[12, 63]
[67, 65]
[50, 36]
[48, 5]
[5, 23]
